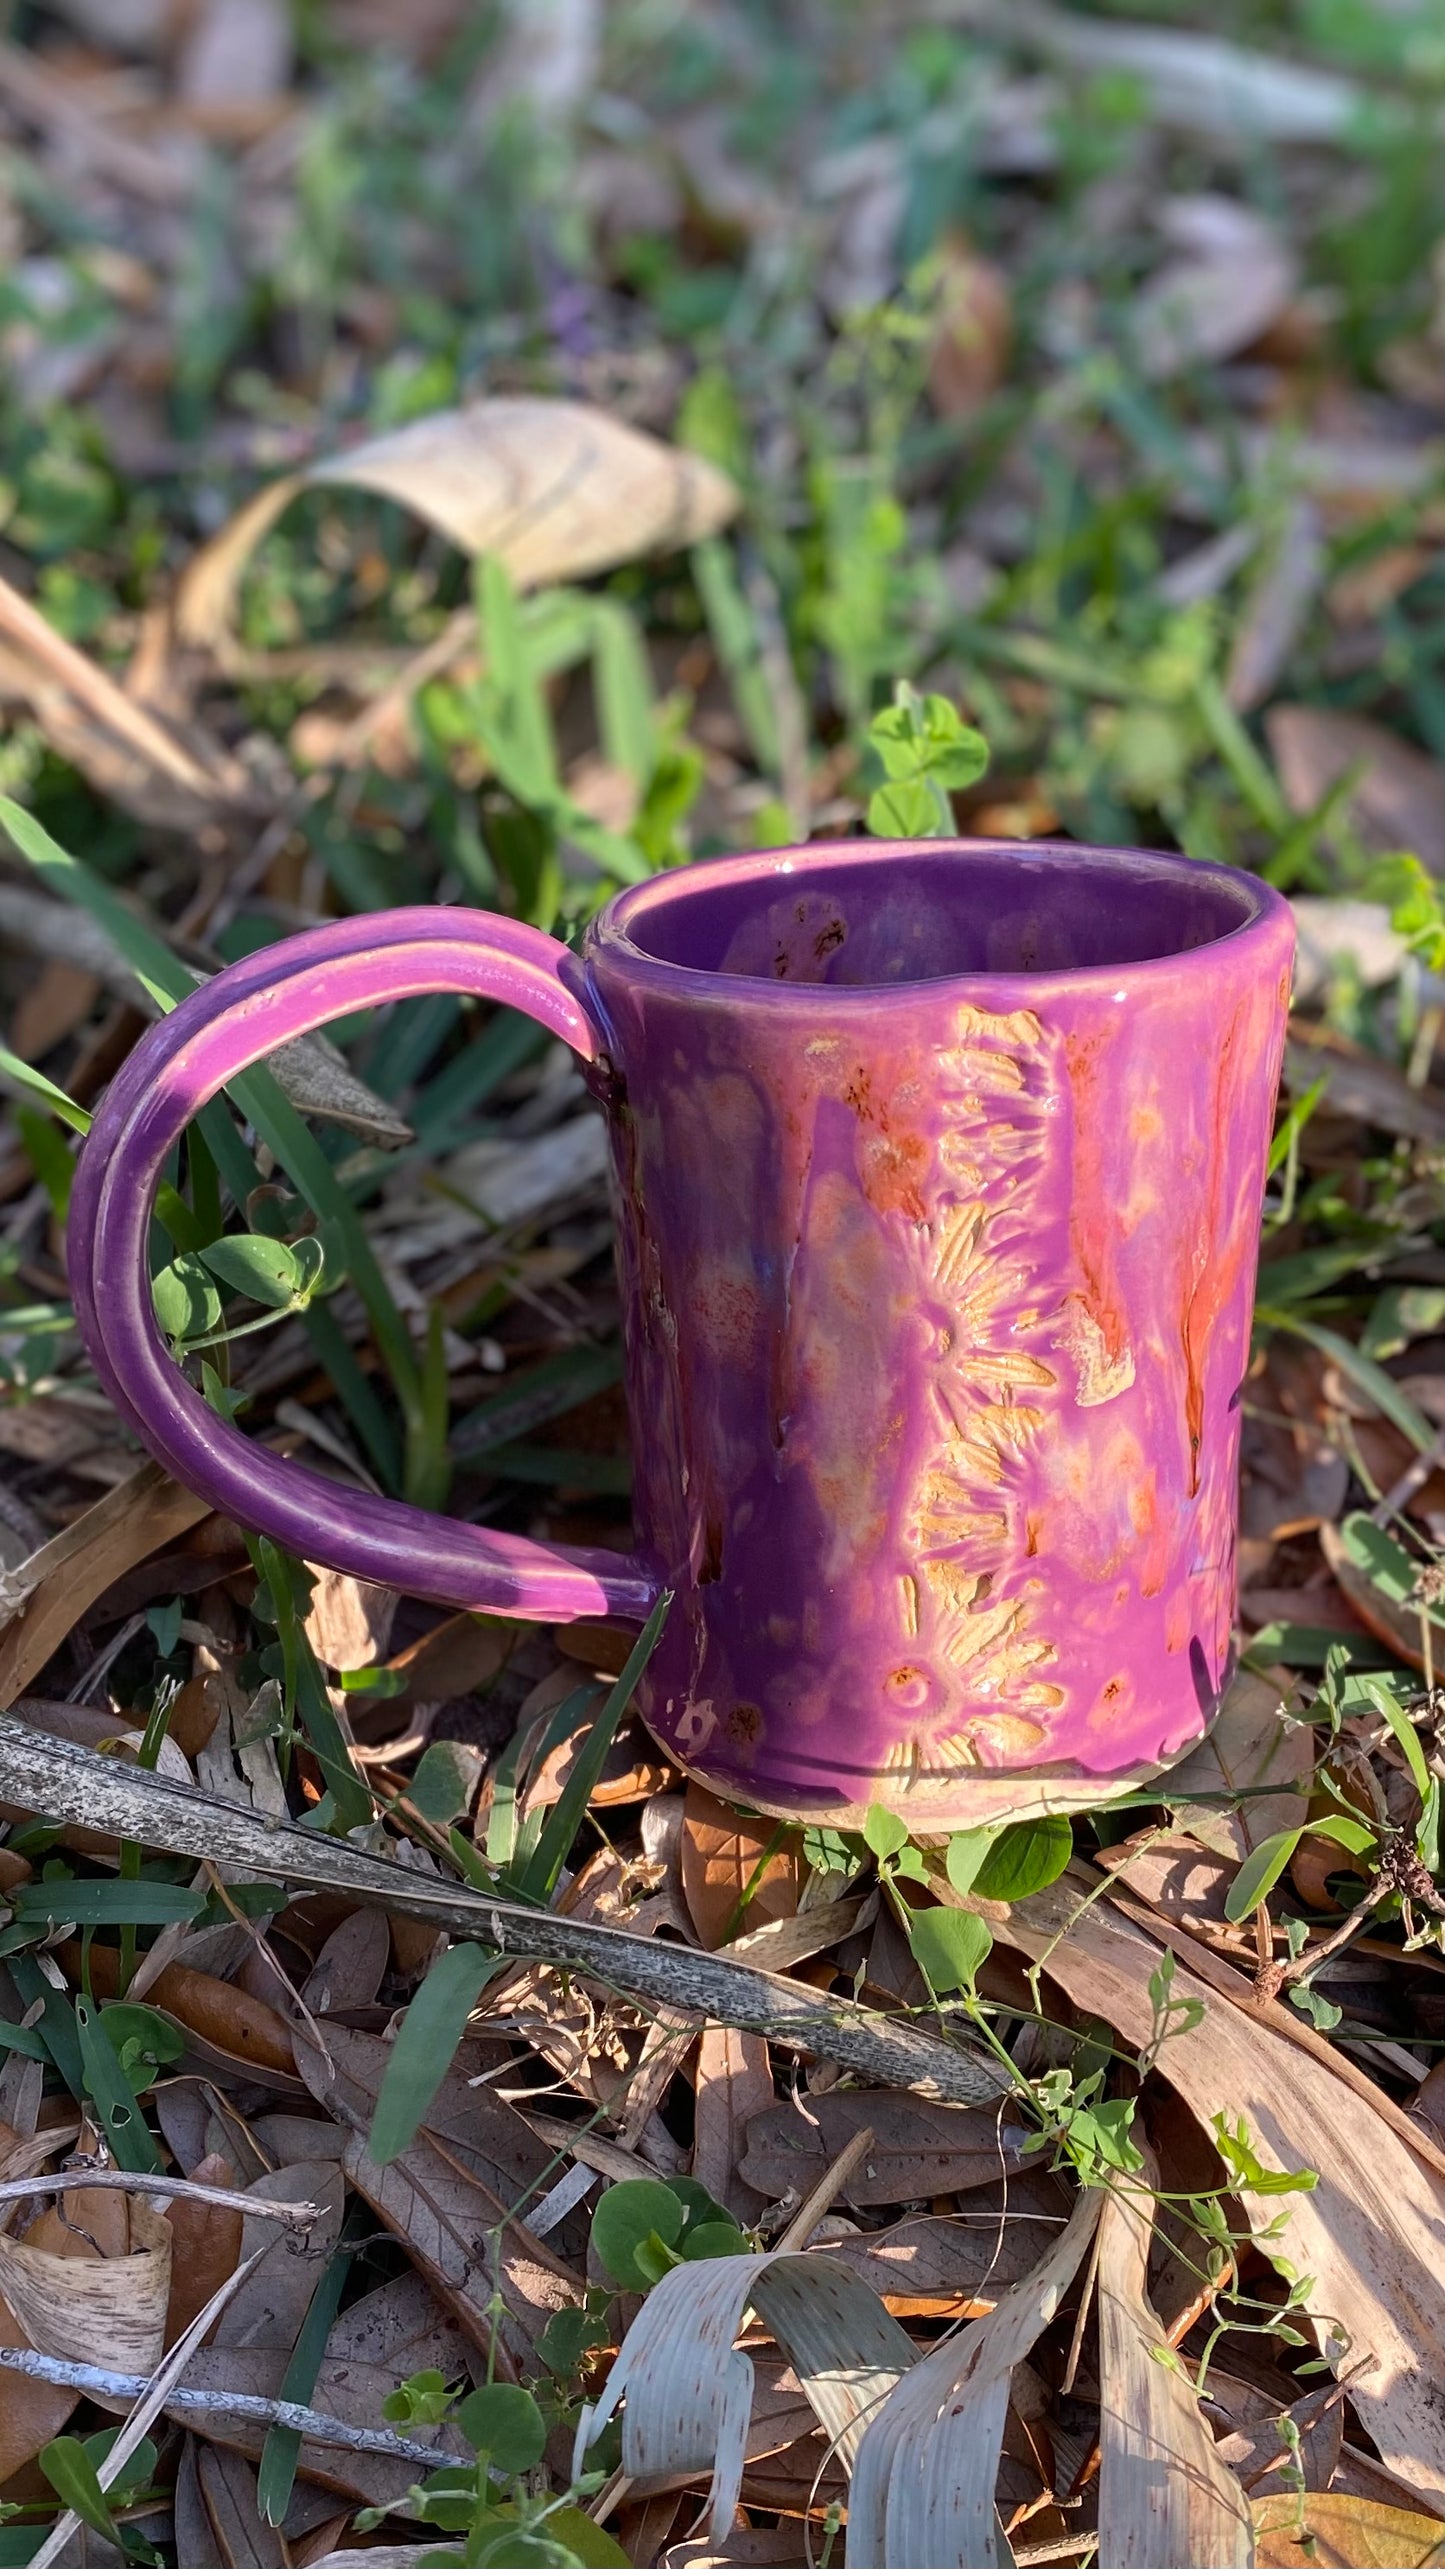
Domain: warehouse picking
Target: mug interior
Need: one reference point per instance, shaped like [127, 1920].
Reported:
[890, 915]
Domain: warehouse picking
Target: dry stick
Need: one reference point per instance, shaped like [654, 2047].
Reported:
[28, 631]
[296, 2216]
[73, 1785]
[1416, 1473]
[312, 2423]
[829, 2186]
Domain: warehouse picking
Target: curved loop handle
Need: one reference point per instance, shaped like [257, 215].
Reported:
[232, 1022]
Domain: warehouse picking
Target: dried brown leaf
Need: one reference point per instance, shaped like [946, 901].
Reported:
[1367, 2231]
[919, 2148]
[734, 2085]
[206, 2246]
[227, 2487]
[1253, 1744]
[1276, 608]
[272, 2303]
[1338, 2532]
[46, 1599]
[242, 2030]
[351, 1965]
[348, 1622]
[973, 335]
[556, 490]
[466, 2245]
[1164, 2495]
[1233, 277]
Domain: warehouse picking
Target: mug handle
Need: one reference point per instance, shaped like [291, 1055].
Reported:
[227, 1025]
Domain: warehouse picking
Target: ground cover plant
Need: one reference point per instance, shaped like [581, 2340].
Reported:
[461, 453]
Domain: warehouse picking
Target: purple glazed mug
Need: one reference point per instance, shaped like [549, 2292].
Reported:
[938, 1171]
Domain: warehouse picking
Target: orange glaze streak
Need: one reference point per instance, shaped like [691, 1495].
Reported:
[1091, 1229]
[1219, 1273]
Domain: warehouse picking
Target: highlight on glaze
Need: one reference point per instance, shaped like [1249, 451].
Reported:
[938, 1172]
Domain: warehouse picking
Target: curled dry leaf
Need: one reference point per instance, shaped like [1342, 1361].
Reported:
[48, 1596]
[924, 2479]
[688, 2390]
[348, 1621]
[556, 490]
[1164, 2494]
[73, 2301]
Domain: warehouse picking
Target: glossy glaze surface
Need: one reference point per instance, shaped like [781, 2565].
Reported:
[938, 1174]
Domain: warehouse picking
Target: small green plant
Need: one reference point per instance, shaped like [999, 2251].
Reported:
[1006, 1863]
[927, 752]
[284, 1278]
[646, 2225]
[505, 2522]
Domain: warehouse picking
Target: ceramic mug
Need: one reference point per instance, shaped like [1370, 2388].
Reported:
[938, 1170]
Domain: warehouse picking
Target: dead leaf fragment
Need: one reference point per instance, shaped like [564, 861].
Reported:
[1399, 801]
[206, 2246]
[737, 1873]
[48, 1595]
[1366, 2231]
[974, 334]
[919, 2148]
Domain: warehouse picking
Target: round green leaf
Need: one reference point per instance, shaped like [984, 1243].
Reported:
[948, 1946]
[264, 1269]
[910, 808]
[1025, 1858]
[627, 2216]
[566, 2539]
[696, 2201]
[187, 1303]
[502, 2420]
[713, 2239]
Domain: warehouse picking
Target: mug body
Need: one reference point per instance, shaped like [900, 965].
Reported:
[938, 1171]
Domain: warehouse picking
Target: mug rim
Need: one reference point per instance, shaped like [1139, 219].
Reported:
[609, 935]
